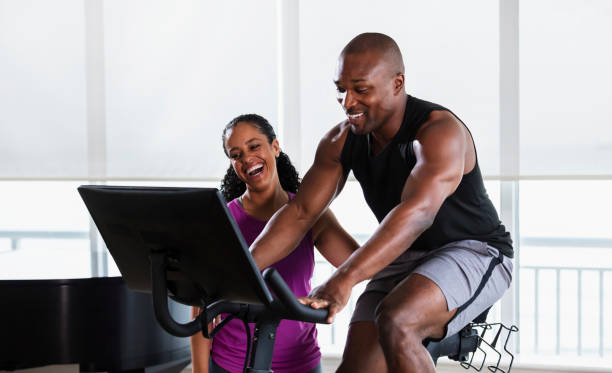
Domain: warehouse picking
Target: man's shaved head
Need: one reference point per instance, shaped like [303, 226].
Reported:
[369, 83]
[381, 44]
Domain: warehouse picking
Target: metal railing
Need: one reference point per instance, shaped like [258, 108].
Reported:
[16, 236]
[600, 315]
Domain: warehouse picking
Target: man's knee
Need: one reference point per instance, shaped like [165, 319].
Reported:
[397, 326]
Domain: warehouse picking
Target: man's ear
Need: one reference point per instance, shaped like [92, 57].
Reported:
[398, 83]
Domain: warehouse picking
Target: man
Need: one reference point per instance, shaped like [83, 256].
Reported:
[439, 238]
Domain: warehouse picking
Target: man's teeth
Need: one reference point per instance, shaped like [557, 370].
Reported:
[355, 116]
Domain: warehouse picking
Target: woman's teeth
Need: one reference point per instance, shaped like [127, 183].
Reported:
[255, 170]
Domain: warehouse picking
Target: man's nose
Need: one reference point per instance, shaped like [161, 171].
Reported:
[348, 101]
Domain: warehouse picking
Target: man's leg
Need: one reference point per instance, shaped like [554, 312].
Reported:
[416, 309]
[422, 305]
[362, 352]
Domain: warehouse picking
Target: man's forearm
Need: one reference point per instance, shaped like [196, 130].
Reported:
[398, 231]
[280, 236]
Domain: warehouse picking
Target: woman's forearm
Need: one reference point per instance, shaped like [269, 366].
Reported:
[200, 349]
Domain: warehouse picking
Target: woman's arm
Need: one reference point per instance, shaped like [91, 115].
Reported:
[200, 348]
[332, 241]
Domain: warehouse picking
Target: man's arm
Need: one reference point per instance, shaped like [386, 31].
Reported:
[320, 185]
[332, 241]
[440, 149]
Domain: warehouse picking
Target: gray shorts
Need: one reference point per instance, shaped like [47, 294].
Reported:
[458, 268]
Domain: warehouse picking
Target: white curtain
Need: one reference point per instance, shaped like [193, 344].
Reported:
[174, 74]
[566, 75]
[450, 50]
[42, 89]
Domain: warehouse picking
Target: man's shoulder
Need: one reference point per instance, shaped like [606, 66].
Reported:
[338, 132]
[334, 139]
[441, 120]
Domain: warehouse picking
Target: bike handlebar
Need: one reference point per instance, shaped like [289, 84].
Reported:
[285, 306]
[296, 310]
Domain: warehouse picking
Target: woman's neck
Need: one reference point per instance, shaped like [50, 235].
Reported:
[263, 204]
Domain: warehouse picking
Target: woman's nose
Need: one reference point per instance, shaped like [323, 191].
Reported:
[248, 159]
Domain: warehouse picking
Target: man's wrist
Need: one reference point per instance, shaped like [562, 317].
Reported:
[348, 275]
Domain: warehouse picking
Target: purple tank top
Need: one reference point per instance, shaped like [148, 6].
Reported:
[296, 349]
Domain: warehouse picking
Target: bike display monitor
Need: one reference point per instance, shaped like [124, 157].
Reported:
[206, 256]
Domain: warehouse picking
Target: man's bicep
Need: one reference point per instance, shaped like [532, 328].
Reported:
[325, 178]
[439, 168]
[323, 181]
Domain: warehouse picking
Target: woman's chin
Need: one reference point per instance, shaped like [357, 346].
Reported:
[257, 183]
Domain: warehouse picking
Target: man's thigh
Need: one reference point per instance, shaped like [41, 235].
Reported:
[362, 352]
[418, 306]
[471, 278]
[458, 269]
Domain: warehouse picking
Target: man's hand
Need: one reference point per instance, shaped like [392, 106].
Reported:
[333, 294]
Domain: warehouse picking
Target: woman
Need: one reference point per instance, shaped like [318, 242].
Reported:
[259, 181]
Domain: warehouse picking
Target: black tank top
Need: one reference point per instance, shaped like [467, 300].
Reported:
[467, 214]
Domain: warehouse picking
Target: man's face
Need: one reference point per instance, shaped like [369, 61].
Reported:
[365, 89]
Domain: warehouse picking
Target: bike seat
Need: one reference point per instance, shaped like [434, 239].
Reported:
[459, 345]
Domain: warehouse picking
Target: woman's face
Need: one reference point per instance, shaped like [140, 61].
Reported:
[251, 156]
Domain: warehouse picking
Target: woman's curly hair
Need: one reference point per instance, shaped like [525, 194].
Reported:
[231, 185]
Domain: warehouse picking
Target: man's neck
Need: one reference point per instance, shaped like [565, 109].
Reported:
[382, 135]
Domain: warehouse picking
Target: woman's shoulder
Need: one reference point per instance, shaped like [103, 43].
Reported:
[234, 208]
[232, 203]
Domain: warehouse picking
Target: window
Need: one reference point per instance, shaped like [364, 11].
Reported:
[171, 75]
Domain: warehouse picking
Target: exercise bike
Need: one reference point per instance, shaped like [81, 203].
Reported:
[183, 244]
